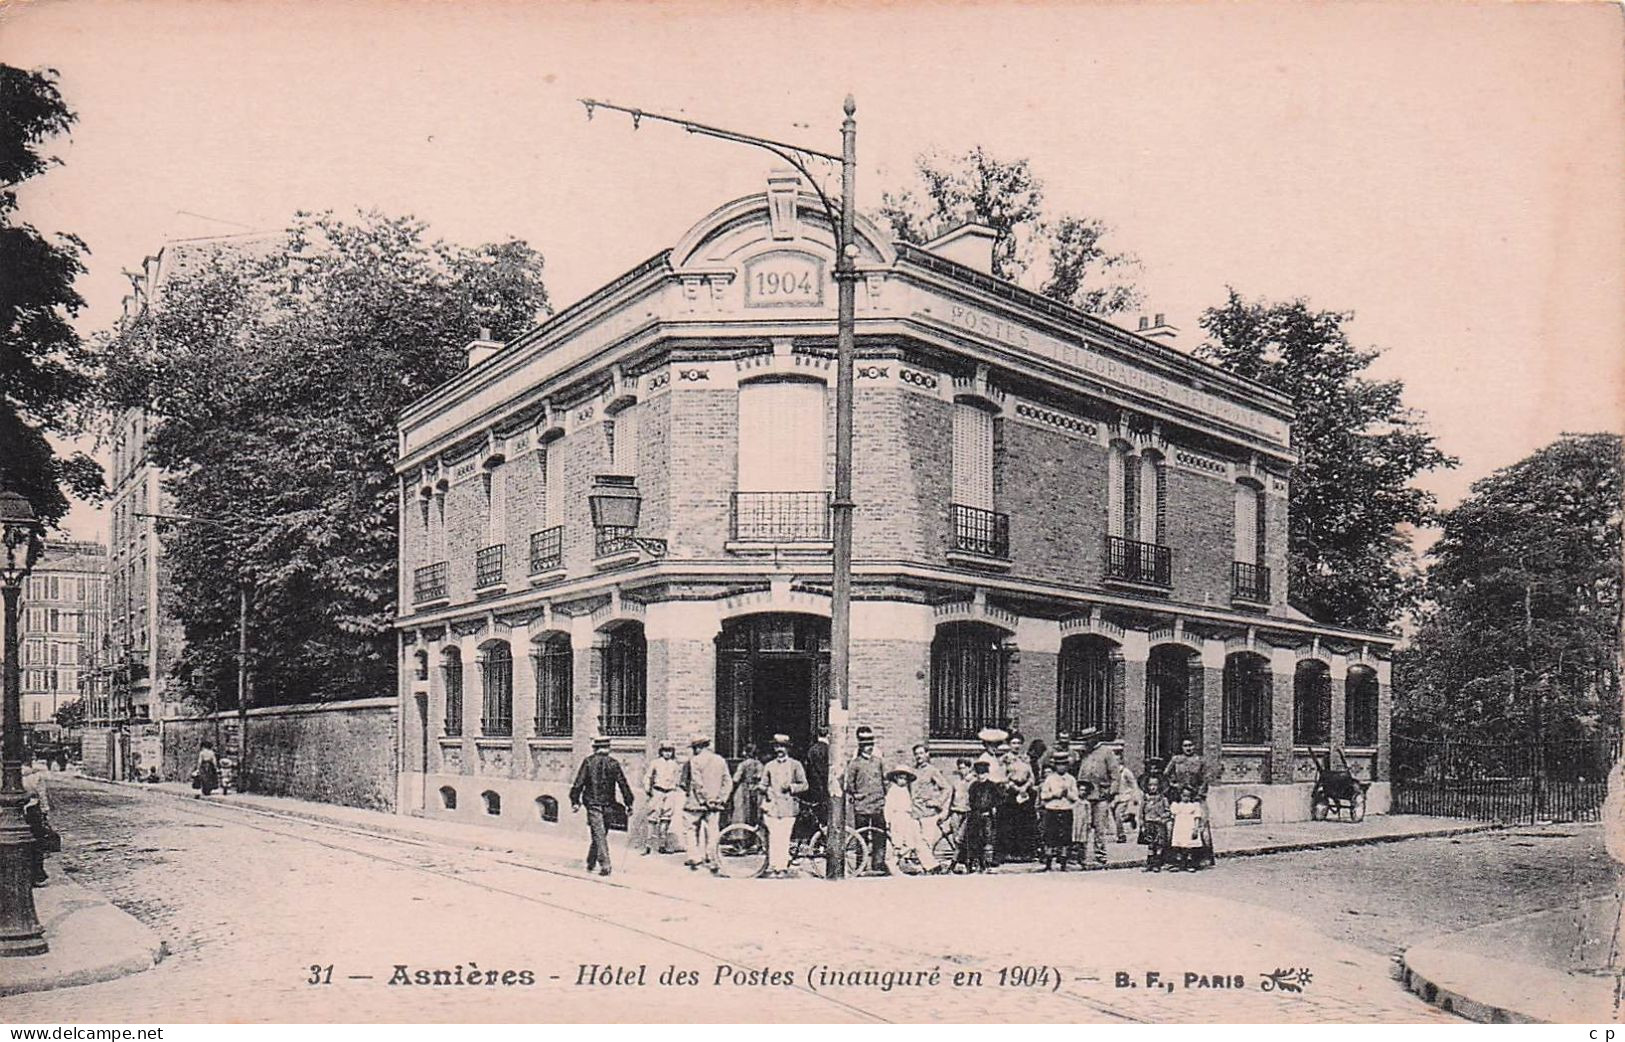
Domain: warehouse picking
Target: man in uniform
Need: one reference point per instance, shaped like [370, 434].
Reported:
[783, 780]
[662, 784]
[1186, 770]
[1100, 770]
[597, 783]
[865, 786]
[707, 784]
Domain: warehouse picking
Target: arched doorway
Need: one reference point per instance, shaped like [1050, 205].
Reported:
[1172, 713]
[772, 678]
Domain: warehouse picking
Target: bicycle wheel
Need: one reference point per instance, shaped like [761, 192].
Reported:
[945, 849]
[742, 850]
[874, 841]
[816, 861]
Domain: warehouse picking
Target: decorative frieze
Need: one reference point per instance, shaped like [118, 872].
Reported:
[1187, 459]
[919, 379]
[1039, 416]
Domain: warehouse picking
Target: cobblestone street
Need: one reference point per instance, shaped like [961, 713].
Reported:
[249, 904]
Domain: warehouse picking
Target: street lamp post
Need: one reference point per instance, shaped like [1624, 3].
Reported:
[20, 930]
[842, 221]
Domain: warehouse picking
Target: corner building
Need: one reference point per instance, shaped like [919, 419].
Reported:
[1060, 524]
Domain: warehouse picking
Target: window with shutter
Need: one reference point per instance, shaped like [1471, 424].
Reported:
[973, 457]
[1246, 524]
[781, 436]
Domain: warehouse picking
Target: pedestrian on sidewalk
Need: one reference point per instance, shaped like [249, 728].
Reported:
[1098, 771]
[817, 767]
[931, 792]
[1057, 795]
[1155, 821]
[1188, 819]
[864, 784]
[599, 780]
[1187, 770]
[783, 780]
[661, 785]
[746, 802]
[36, 813]
[206, 778]
[707, 784]
[959, 801]
[1126, 809]
[1017, 821]
[976, 843]
[904, 833]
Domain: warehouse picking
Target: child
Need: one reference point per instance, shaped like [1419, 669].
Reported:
[902, 827]
[1155, 819]
[1057, 795]
[975, 853]
[959, 801]
[1187, 831]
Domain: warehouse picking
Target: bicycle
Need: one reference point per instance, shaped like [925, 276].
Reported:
[943, 848]
[742, 848]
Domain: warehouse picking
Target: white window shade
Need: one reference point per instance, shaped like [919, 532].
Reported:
[1246, 525]
[553, 484]
[781, 437]
[624, 446]
[973, 456]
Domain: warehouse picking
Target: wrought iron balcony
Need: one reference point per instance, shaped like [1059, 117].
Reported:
[613, 539]
[979, 531]
[1250, 582]
[488, 567]
[780, 517]
[430, 583]
[547, 550]
[1130, 560]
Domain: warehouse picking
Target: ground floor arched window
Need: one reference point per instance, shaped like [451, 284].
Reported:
[1312, 703]
[554, 662]
[1247, 697]
[623, 677]
[496, 678]
[970, 690]
[1360, 706]
[1088, 677]
[451, 678]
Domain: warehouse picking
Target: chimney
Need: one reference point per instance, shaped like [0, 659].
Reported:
[1158, 329]
[969, 244]
[481, 348]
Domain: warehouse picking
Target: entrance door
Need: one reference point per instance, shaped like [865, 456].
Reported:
[772, 678]
[1167, 701]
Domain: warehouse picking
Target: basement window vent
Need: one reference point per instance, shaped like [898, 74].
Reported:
[547, 808]
[493, 802]
[448, 797]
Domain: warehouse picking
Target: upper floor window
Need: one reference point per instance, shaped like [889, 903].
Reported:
[1250, 546]
[781, 436]
[973, 456]
[1151, 508]
[621, 437]
[553, 483]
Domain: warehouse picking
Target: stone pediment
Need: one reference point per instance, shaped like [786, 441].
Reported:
[787, 219]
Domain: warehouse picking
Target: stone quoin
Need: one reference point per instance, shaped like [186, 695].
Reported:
[1060, 524]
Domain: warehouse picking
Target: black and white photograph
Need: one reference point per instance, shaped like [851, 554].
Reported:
[810, 512]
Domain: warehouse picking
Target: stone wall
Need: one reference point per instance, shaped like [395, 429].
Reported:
[335, 752]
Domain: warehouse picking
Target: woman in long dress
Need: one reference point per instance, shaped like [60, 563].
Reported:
[207, 774]
[746, 805]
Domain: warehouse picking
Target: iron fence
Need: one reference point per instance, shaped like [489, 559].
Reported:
[1514, 782]
[780, 517]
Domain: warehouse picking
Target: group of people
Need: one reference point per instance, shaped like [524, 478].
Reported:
[1049, 805]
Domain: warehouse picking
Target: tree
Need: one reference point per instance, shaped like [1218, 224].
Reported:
[1061, 256]
[70, 715]
[1358, 447]
[46, 373]
[1521, 632]
[273, 383]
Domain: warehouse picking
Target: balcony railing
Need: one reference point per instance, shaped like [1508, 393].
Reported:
[1137, 562]
[1250, 582]
[612, 539]
[547, 550]
[780, 517]
[430, 583]
[979, 531]
[488, 567]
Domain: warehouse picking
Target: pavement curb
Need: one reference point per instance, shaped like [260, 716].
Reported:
[91, 941]
[1477, 987]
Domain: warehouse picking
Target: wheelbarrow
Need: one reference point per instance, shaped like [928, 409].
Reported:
[1336, 792]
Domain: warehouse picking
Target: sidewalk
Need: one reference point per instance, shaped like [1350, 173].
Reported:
[1558, 966]
[90, 940]
[567, 851]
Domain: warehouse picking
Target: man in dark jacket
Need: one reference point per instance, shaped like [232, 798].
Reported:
[817, 766]
[597, 783]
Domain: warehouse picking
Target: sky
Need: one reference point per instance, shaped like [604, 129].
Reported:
[1449, 172]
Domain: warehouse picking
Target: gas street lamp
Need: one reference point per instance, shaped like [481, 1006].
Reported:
[842, 215]
[20, 930]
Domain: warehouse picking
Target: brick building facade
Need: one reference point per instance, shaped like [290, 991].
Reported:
[1059, 524]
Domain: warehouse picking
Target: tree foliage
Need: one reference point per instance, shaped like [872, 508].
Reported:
[70, 715]
[1062, 256]
[46, 372]
[1523, 602]
[1359, 447]
[273, 383]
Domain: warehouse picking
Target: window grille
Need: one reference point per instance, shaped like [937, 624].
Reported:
[554, 662]
[451, 670]
[969, 679]
[622, 659]
[1247, 695]
[1312, 704]
[496, 675]
[1085, 686]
